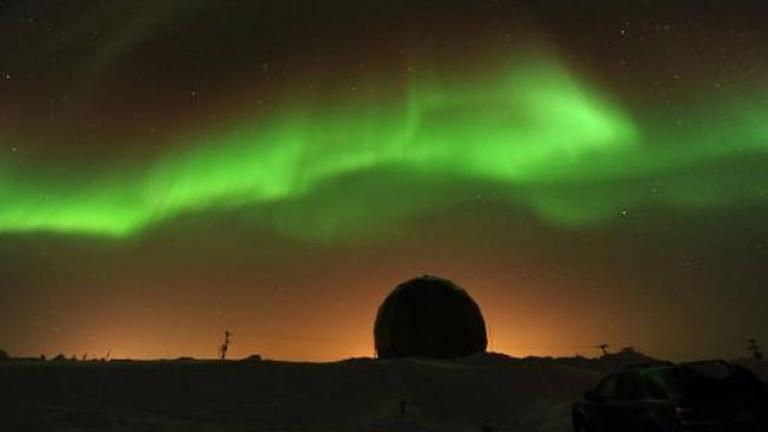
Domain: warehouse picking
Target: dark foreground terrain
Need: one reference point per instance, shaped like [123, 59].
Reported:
[484, 393]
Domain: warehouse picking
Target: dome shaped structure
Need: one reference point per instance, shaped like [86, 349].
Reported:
[429, 317]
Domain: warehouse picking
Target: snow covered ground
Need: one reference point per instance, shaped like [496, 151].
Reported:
[485, 393]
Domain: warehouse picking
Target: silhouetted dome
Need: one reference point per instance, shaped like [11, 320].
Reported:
[429, 317]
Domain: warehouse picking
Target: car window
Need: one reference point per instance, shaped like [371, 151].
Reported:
[630, 386]
[607, 389]
[655, 389]
[662, 384]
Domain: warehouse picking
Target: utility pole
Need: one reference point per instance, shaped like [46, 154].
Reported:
[603, 348]
[225, 345]
[754, 349]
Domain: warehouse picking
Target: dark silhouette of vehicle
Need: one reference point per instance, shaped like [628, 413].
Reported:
[704, 396]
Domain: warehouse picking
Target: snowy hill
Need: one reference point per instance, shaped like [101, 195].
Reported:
[483, 393]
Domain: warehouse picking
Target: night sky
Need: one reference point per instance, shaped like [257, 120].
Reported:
[591, 172]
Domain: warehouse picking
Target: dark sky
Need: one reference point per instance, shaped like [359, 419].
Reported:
[589, 171]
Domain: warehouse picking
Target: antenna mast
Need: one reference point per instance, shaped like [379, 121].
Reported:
[603, 348]
[225, 345]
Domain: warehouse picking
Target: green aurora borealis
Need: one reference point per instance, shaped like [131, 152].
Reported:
[592, 172]
[539, 134]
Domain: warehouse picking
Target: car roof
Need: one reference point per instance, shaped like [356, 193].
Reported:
[637, 367]
[649, 367]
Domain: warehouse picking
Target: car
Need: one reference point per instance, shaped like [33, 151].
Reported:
[706, 396]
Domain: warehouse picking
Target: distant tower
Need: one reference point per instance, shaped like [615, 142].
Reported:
[225, 345]
[754, 349]
[603, 348]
